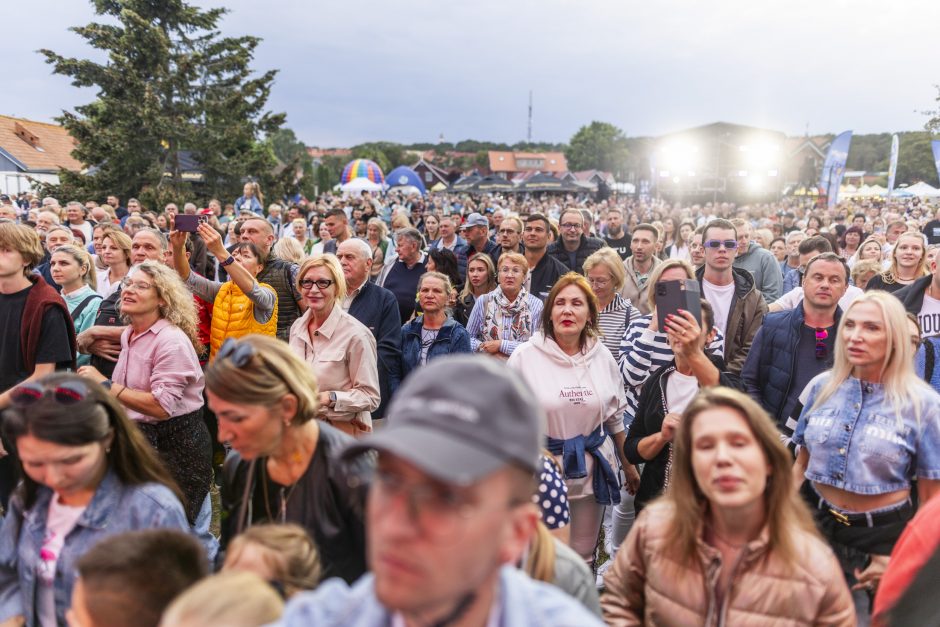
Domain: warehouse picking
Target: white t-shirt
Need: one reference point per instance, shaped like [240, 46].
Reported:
[720, 297]
[795, 296]
[60, 521]
[929, 316]
[680, 390]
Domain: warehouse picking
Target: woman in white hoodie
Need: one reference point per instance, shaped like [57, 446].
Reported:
[578, 384]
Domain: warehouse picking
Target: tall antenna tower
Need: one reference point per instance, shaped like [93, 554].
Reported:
[529, 133]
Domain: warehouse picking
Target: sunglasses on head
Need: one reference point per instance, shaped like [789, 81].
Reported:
[66, 393]
[239, 353]
[821, 349]
[718, 243]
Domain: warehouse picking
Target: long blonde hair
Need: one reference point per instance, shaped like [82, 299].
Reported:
[179, 308]
[786, 515]
[891, 274]
[903, 388]
[487, 261]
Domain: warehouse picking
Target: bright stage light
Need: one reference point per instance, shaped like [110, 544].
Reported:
[680, 156]
[760, 154]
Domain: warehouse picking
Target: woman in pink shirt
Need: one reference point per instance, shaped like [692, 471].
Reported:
[158, 377]
[340, 349]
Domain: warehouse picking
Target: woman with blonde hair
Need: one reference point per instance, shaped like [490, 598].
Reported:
[233, 599]
[73, 270]
[864, 271]
[377, 238]
[870, 427]
[282, 468]
[340, 350]
[283, 555]
[289, 249]
[606, 274]
[908, 263]
[158, 378]
[730, 542]
[251, 199]
[301, 234]
[481, 279]
[116, 256]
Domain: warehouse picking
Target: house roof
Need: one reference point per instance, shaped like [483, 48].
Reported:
[37, 146]
[506, 161]
[439, 173]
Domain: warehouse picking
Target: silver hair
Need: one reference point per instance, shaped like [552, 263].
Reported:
[362, 247]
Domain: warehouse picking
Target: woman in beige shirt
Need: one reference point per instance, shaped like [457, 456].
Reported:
[339, 348]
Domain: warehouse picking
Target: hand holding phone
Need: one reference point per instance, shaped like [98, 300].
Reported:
[187, 223]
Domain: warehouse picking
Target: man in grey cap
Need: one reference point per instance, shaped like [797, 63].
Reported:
[476, 230]
[449, 510]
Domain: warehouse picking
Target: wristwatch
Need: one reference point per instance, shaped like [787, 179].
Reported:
[332, 399]
[227, 262]
[107, 383]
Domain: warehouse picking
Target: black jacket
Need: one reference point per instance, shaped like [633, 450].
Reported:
[377, 308]
[912, 296]
[649, 421]
[587, 247]
[546, 272]
[327, 501]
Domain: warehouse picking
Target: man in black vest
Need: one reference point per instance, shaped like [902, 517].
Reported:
[376, 308]
[279, 274]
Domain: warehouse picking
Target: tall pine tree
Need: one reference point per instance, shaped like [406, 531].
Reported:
[171, 83]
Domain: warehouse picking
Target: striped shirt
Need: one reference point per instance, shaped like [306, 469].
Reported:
[613, 321]
[643, 352]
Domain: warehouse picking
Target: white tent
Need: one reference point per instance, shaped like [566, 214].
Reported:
[923, 190]
[359, 185]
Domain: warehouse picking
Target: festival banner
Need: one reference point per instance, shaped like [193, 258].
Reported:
[834, 167]
[935, 144]
[893, 167]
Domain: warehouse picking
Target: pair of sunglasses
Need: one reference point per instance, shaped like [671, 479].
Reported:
[718, 243]
[239, 353]
[66, 393]
[821, 349]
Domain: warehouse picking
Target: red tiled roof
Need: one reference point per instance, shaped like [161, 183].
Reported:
[39, 146]
[507, 161]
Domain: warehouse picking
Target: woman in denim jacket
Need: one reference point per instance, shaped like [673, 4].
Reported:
[869, 428]
[434, 333]
[87, 474]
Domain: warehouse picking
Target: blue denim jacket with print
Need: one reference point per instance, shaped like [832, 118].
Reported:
[858, 442]
[113, 509]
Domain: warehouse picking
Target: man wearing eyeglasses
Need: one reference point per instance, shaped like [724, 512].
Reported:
[510, 235]
[738, 304]
[574, 247]
[795, 345]
[449, 511]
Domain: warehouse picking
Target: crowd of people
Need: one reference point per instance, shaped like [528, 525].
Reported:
[468, 410]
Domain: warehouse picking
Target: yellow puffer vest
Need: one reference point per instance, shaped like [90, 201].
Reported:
[233, 316]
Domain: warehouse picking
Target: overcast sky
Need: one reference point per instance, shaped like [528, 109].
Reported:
[411, 70]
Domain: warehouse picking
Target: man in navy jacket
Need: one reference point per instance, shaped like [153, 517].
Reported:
[377, 308]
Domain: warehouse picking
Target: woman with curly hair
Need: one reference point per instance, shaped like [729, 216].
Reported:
[158, 378]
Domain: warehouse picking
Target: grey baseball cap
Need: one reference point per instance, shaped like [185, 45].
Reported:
[475, 219]
[460, 418]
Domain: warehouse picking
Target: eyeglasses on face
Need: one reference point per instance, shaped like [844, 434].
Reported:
[718, 243]
[135, 286]
[571, 225]
[322, 284]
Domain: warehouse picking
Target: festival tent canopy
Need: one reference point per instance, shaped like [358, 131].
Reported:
[923, 190]
[465, 183]
[362, 168]
[438, 187]
[492, 183]
[545, 183]
[361, 184]
[403, 176]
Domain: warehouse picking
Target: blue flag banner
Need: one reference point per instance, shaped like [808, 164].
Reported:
[893, 166]
[834, 167]
[935, 144]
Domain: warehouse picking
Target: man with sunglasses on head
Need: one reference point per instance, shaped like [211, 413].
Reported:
[738, 304]
[795, 345]
[449, 511]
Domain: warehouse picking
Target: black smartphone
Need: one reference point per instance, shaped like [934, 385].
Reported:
[671, 296]
[187, 223]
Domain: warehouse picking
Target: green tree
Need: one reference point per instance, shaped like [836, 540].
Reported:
[171, 83]
[599, 146]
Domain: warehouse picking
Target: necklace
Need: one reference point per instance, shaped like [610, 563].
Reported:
[285, 492]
